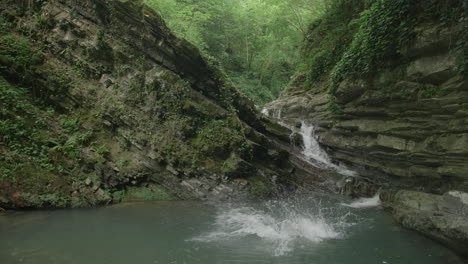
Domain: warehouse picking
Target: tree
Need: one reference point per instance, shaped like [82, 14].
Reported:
[256, 41]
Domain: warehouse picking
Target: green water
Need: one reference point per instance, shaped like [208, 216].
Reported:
[306, 230]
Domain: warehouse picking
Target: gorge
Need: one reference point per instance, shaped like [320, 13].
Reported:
[103, 105]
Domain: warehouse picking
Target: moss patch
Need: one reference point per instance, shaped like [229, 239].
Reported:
[150, 193]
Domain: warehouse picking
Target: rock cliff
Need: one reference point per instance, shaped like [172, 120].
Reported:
[406, 117]
[384, 83]
[101, 103]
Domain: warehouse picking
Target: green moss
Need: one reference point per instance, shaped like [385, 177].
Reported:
[102, 150]
[17, 52]
[357, 39]
[46, 22]
[46, 200]
[151, 193]
[385, 28]
[219, 137]
[260, 187]
[40, 152]
[236, 167]
[328, 38]
[70, 125]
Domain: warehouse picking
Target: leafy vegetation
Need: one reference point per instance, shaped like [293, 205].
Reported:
[91, 143]
[356, 39]
[256, 41]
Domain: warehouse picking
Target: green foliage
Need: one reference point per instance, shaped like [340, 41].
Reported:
[5, 24]
[46, 200]
[19, 127]
[328, 38]
[359, 38]
[219, 137]
[385, 28]
[255, 41]
[252, 87]
[151, 193]
[102, 150]
[260, 187]
[35, 149]
[70, 125]
[100, 43]
[17, 54]
[73, 145]
[46, 22]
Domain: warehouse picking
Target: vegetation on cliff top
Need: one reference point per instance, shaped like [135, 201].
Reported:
[358, 38]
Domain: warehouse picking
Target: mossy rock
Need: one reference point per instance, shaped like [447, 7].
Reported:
[150, 193]
[260, 187]
[236, 167]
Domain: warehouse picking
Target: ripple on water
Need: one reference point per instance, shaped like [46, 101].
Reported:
[298, 230]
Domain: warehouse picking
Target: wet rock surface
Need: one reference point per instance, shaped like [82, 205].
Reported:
[441, 217]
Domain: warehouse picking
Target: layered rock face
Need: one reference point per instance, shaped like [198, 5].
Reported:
[409, 121]
[116, 107]
[403, 124]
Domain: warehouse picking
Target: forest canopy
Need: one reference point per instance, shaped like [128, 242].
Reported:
[257, 42]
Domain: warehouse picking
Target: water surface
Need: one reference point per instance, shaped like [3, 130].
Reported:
[302, 230]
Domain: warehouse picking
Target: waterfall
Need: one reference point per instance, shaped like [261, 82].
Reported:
[314, 154]
[311, 151]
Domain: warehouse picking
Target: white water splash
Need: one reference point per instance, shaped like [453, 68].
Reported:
[365, 202]
[266, 111]
[314, 153]
[280, 227]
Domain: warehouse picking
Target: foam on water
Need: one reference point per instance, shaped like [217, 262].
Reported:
[364, 202]
[280, 225]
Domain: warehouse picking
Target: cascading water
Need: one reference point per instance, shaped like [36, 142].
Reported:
[311, 151]
[282, 226]
[316, 155]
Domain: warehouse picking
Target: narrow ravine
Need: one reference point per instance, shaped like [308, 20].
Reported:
[132, 131]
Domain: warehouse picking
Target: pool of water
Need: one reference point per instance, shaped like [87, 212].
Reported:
[313, 230]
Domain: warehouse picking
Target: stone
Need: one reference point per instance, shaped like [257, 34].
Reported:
[441, 217]
[297, 140]
[172, 170]
[358, 187]
[236, 167]
[88, 182]
[435, 70]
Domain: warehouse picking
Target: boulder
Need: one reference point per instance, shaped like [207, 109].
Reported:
[441, 217]
[358, 187]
